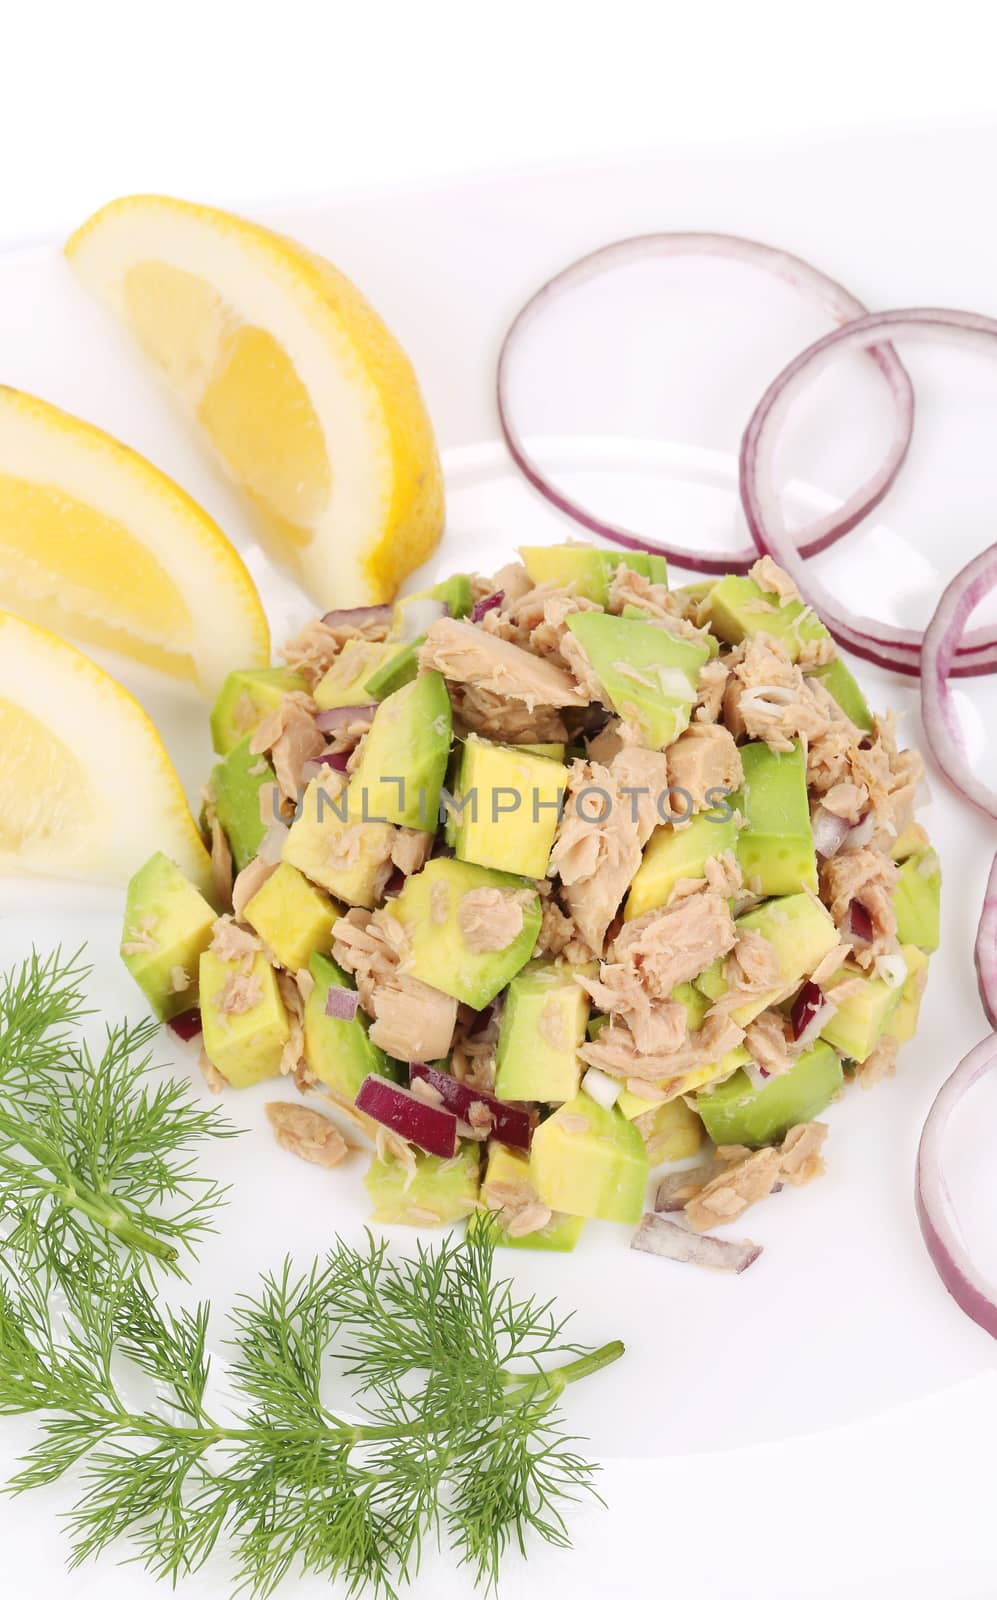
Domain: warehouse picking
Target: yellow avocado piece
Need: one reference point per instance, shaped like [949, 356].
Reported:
[671, 1131]
[245, 1046]
[343, 684]
[346, 857]
[293, 917]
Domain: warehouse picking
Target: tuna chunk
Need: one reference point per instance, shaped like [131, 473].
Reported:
[596, 851]
[291, 737]
[410, 849]
[710, 686]
[767, 697]
[315, 648]
[412, 1020]
[630, 588]
[702, 759]
[465, 653]
[642, 778]
[615, 1051]
[768, 1040]
[868, 877]
[477, 710]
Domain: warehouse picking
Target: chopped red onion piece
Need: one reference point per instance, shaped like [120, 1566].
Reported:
[986, 949]
[511, 1122]
[660, 1236]
[829, 832]
[673, 1189]
[859, 924]
[343, 717]
[395, 883]
[935, 1212]
[335, 760]
[888, 646]
[430, 1127]
[834, 299]
[491, 602]
[939, 663]
[808, 1004]
[341, 1003]
[187, 1025]
[358, 616]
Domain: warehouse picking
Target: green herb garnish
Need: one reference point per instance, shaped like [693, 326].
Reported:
[90, 1146]
[455, 1432]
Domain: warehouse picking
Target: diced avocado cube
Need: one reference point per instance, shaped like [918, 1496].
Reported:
[442, 1191]
[917, 900]
[246, 697]
[345, 683]
[862, 1015]
[776, 845]
[167, 925]
[244, 790]
[696, 1004]
[841, 686]
[586, 568]
[802, 933]
[590, 1162]
[451, 942]
[902, 1026]
[340, 1053]
[672, 853]
[351, 859]
[404, 758]
[649, 675]
[398, 667]
[507, 1166]
[245, 1045]
[736, 607]
[293, 916]
[543, 1024]
[736, 1113]
[455, 592]
[507, 807]
[671, 1131]
[909, 843]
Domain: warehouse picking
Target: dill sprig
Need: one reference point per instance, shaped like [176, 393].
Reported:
[456, 1430]
[91, 1148]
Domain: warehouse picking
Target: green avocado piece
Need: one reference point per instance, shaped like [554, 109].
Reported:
[433, 909]
[639, 614]
[292, 916]
[671, 1131]
[902, 1025]
[917, 900]
[543, 1023]
[554, 751]
[245, 1046]
[167, 925]
[841, 686]
[736, 1113]
[442, 1191]
[455, 592]
[672, 853]
[590, 1162]
[862, 1017]
[345, 683]
[352, 861]
[802, 934]
[244, 787]
[246, 697]
[397, 669]
[404, 757]
[506, 807]
[589, 569]
[776, 845]
[340, 1053]
[737, 607]
[507, 1166]
[648, 674]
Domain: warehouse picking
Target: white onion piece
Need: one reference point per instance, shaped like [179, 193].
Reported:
[757, 1075]
[935, 1212]
[858, 836]
[985, 953]
[839, 304]
[676, 685]
[888, 646]
[829, 832]
[604, 1090]
[660, 1236]
[892, 969]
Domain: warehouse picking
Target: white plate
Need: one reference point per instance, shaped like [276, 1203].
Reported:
[748, 1414]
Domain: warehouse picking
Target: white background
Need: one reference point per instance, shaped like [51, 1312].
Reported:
[242, 104]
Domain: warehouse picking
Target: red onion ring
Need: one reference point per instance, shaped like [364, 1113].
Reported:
[985, 952]
[941, 644]
[887, 646]
[842, 306]
[935, 1211]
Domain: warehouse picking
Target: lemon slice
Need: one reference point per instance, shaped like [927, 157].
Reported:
[310, 403]
[98, 543]
[87, 790]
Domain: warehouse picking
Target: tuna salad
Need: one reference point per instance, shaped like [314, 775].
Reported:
[550, 881]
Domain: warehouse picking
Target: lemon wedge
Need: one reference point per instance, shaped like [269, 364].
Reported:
[97, 543]
[87, 790]
[309, 401]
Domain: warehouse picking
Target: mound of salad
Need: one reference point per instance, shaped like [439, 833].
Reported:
[549, 880]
